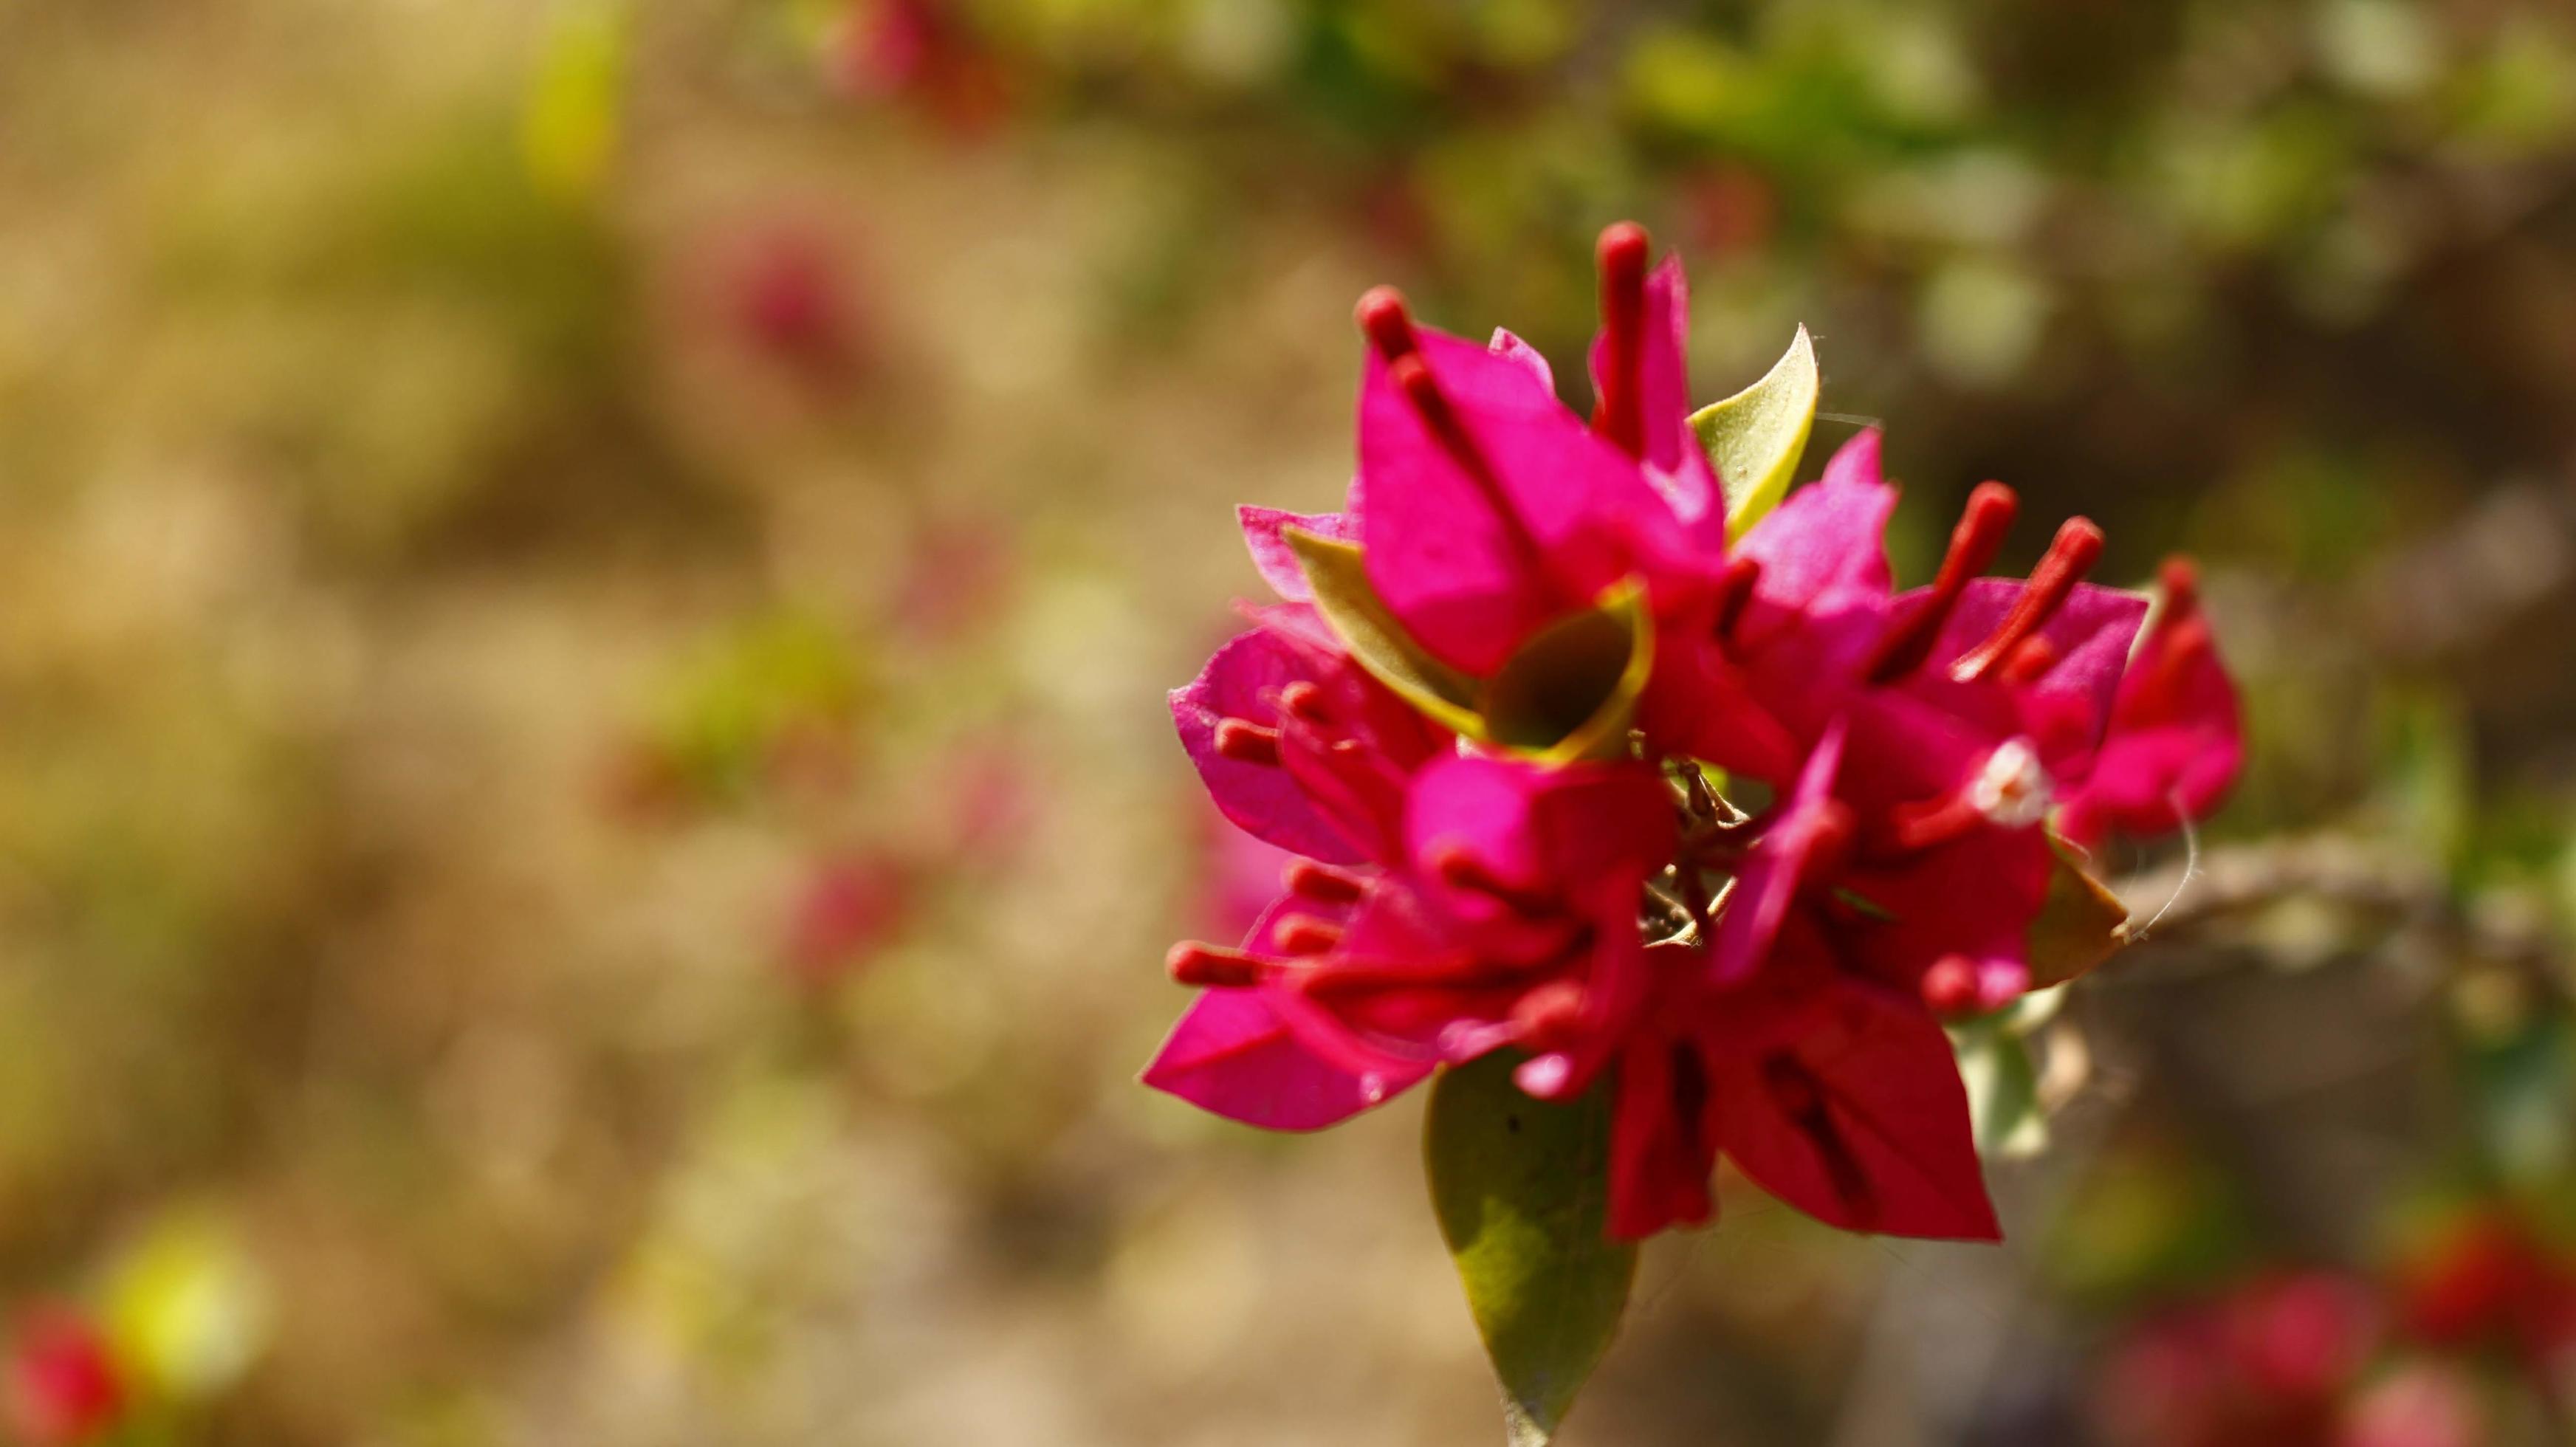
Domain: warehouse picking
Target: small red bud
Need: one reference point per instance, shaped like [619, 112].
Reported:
[1950, 986]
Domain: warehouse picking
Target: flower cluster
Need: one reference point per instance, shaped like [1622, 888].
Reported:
[1499, 712]
[2477, 1311]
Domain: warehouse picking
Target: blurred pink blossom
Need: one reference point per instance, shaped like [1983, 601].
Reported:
[847, 910]
[63, 1387]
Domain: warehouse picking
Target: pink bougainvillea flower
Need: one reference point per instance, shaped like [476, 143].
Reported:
[925, 52]
[1477, 723]
[2301, 1336]
[64, 1388]
[790, 302]
[2270, 1361]
[848, 910]
[1966, 703]
[2176, 739]
[1937, 892]
[2490, 1280]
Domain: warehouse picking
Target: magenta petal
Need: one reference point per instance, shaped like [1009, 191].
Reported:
[1513, 349]
[1908, 747]
[1769, 880]
[1461, 575]
[1660, 1155]
[1665, 380]
[1857, 461]
[1864, 1125]
[1619, 983]
[2175, 745]
[1416, 1009]
[1239, 879]
[2066, 707]
[1472, 565]
[1699, 704]
[1562, 832]
[1974, 896]
[1243, 680]
[1229, 1054]
[1823, 550]
[1270, 552]
[2148, 781]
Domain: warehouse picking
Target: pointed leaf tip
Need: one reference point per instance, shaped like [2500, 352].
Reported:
[1755, 437]
[2081, 923]
[2002, 1081]
[1521, 1187]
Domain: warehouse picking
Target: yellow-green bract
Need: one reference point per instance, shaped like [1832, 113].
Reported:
[1754, 438]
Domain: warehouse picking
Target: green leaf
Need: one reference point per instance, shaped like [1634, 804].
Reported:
[1754, 438]
[2003, 1091]
[568, 129]
[1377, 640]
[1572, 689]
[1522, 1188]
[2030, 1010]
[2080, 924]
[2523, 1083]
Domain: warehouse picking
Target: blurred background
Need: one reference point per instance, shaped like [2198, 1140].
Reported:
[587, 822]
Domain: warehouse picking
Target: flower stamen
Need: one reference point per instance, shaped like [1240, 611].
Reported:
[1978, 536]
[1458, 867]
[2077, 547]
[1206, 966]
[2034, 657]
[1323, 883]
[1304, 934]
[1304, 701]
[1620, 415]
[1388, 326]
[1244, 742]
[1548, 1016]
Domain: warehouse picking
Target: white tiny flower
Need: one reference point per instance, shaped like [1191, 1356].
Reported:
[2012, 789]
